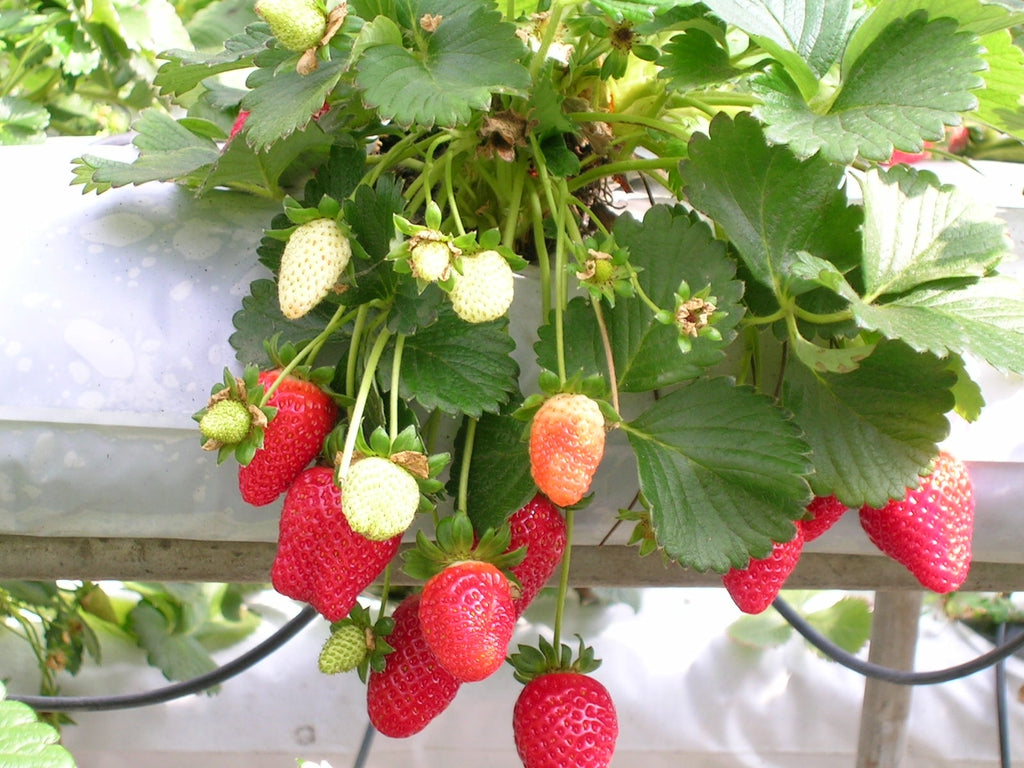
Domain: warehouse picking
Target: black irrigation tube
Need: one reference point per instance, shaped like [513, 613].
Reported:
[887, 674]
[175, 690]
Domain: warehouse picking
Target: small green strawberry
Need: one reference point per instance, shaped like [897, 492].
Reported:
[483, 288]
[313, 260]
[379, 498]
[357, 642]
[298, 25]
[226, 421]
[344, 650]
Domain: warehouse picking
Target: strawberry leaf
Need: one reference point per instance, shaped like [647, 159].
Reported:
[984, 319]
[167, 150]
[669, 246]
[176, 653]
[999, 104]
[812, 30]
[723, 470]
[260, 318]
[183, 70]
[910, 81]
[499, 478]
[770, 204]
[447, 72]
[695, 59]
[917, 231]
[458, 367]
[874, 429]
[25, 742]
[282, 101]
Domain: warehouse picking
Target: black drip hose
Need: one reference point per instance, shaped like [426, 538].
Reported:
[888, 674]
[175, 690]
[1002, 714]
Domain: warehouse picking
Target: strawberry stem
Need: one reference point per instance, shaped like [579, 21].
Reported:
[356, 417]
[557, 213]
[467, 455]
[396, 375]
[609, 359]
[384, 590]
[449, 188]
[543, 261]
[338, 319]
[563, 578]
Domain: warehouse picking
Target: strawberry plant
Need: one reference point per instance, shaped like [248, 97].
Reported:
[541, 225]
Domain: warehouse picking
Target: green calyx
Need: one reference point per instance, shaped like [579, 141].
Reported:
[533, 662]
[357, 642]
[456, 542]
[233, 421]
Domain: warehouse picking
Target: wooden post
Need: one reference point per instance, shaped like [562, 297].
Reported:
[886, 707]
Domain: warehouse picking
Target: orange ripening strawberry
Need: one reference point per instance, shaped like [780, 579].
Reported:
[755, 587]
[414, 688]
[320, 559]
[540, 527]
[566, 446]
[929, 530]
[467, 617]
[293, 438]
[565, 720]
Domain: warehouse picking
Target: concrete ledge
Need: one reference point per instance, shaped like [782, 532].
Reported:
[36, 558]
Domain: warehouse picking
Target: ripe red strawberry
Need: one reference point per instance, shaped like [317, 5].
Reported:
[320, 559]
[239, 123]
[825, 512]
[929, 530]
[566, 446]
[755, 587]
[293, 438]
[414, 687]
[468, 618]
[565, 720]
[540, 527]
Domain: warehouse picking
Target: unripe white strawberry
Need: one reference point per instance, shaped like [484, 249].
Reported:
[344, 650]
[297, 24]
[431, 260]
[379, 498]
[314, 258]
[484, 289]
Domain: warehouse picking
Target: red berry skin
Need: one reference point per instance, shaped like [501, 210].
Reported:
[414, 687]
[755, 587]
[320, 559]
[567, 440]
[293, 438]
[540, 527]
[929, 531]
[565, 720]
[468, 618]
[824, 512]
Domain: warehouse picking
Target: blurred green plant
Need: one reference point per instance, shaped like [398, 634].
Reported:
[178, 626]
[85, 68]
